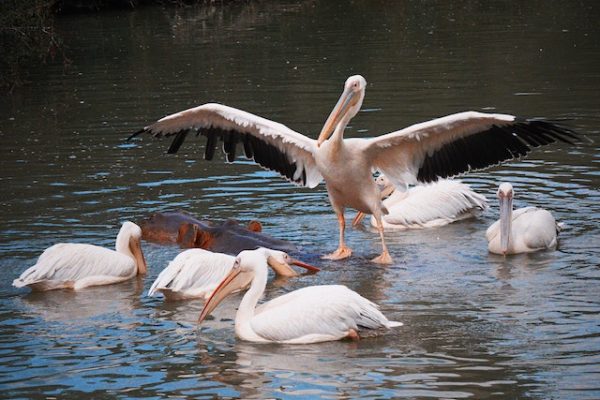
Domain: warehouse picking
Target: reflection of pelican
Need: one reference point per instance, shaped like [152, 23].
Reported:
[76, 265]
[252, 359]
[195, 273]
[522, 231]
[309, 315]
[75, 306]
[423, 152]
[426, 206]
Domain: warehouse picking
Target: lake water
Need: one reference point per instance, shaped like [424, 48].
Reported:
[475, 325]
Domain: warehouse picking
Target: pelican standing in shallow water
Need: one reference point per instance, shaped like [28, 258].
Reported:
[309, 315]
[195, 273]
[77, 266]
[426, 206]
[522, 231]
[423, 152]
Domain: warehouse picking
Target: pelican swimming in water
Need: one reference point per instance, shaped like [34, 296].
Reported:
[424, 152]
[309, 315]
[195, 273]
[426, 206]
[525, 230]
[77, 266]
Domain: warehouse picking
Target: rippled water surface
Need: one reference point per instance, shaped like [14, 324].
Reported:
[475, 325]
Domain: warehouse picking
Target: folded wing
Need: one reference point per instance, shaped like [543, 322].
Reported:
[328, 311]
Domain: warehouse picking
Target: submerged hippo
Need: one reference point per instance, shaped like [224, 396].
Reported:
[227, 237]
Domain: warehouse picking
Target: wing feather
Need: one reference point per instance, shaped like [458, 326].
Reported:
[75, 261]
[458, 143]
[270, 144]
[193, 272]
[444, 200]
[330, 310]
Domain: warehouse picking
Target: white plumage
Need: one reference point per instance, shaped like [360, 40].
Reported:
[427, 206]
[76, 266]
[423, 152]
[195, 273]
[524, 230]
[309, 315]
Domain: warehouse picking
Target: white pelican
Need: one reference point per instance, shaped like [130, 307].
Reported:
[423, 152]
[77, 266]
[525, 230]
[426, 206]
[195, 273]
[309, 315]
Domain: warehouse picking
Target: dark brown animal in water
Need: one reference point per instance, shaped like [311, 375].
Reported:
[227, 237]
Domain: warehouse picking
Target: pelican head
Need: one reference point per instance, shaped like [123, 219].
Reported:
[238, 277]
[386, 187]
[346, 108]
[245, 267]
[505, 197]
[129, 241]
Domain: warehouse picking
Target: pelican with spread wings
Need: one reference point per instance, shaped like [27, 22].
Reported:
[424, 152]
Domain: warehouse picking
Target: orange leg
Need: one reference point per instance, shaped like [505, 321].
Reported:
[358, 219]
[385, 257]
[342, 251]
[352, 335]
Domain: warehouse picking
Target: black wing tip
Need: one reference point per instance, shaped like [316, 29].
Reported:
[556, 126]
[496, 145]
[177, 142]
[265, 154]
[136, 134]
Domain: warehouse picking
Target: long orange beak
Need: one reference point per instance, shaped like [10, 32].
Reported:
[284, 269]
[505, 222]
[236, 280]
[387, 190]
[306, 266]
[347, 100]
[135, 246]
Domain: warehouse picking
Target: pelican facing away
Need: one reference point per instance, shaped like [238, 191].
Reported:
[423, 152]
[195, 273]
[426, 206]
[309, 315]
[525, 230]
[77, 266]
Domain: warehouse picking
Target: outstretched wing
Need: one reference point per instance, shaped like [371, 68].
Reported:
[458, 143]
[270, 144]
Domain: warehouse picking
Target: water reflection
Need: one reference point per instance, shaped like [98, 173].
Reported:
[71, 307]
[272, 370]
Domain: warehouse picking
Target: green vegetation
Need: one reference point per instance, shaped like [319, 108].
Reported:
[28, 36]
